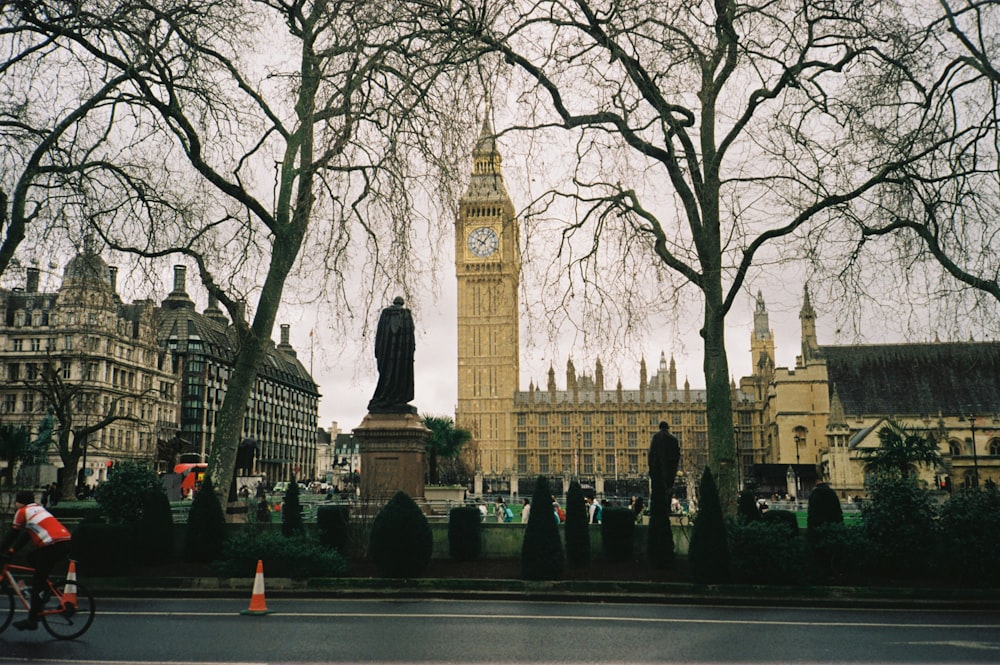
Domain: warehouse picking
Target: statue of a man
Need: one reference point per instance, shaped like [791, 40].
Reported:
[664, 457]
[394, 346]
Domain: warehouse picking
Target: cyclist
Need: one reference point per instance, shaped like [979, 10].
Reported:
[51, 545]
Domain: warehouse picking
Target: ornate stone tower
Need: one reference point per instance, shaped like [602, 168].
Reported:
[488, 269]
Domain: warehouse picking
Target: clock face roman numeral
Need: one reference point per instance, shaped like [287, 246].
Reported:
[483, 241]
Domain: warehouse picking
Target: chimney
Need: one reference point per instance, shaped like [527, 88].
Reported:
[285, 346]
[32, 281]
[180, 273]
[113, 275]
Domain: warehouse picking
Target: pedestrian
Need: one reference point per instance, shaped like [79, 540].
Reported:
[525, 511]
[500, 511]
[50, 540]
[637, 509]
[483, 510]
[53, 495]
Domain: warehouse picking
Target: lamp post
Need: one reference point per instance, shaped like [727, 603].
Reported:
[798, 487]
[975, 457]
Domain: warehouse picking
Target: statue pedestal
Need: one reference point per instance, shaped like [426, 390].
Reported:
[392, 455]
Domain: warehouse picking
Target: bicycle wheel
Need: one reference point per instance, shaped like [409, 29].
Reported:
[72, 621]
[6, 607]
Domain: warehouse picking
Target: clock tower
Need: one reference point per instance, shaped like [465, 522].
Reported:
[488, 269]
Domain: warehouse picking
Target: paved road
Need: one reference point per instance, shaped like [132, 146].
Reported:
[429, 631]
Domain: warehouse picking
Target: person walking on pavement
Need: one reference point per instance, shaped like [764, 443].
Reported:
[51, 545]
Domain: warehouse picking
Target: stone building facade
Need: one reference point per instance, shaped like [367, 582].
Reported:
[105, 357]
[793, 425]
[281, 417]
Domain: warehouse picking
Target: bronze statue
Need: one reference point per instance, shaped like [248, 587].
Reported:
[664, 457]
[394, 346]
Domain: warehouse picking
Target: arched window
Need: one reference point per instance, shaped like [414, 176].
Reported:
[995, 447]
[954, 448]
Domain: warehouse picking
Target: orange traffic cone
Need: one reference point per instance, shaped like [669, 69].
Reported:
[69, 591]
[257, 604]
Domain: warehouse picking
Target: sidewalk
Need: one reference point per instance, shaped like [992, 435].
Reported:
[564, 590]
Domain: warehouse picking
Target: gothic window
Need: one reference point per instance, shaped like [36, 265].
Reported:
[522, 440]
[564, 439]
[564, 419]
[588, 439]
[588, 463]
[954, 448]
[522, 463]
[699, 419]
[609, 464]
[631, 419]
[543, 439]
[586, 419]
[543, 464]
[609, 439]
[995, 448]
[633, 440]
[543, 419]
[674, 420]
[609, 419]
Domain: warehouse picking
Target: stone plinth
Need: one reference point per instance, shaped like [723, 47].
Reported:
[392, 455]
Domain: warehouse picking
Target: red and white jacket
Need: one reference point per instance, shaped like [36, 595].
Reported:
[43, 528]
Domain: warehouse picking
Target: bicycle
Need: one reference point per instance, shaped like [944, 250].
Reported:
[67, 605]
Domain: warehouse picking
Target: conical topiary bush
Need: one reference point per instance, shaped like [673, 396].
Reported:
[206, 526]
[401, 541]
[577, 527]
[542, 555]
[709, 550]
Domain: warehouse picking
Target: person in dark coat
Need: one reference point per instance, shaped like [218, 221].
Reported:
[394, 347]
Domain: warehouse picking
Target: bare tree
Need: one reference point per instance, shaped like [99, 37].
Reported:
[945, 211]
[254, 125]
[46, 130]
[704, 134]
[82, 408]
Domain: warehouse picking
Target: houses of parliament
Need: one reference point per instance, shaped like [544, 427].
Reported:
[793, 426]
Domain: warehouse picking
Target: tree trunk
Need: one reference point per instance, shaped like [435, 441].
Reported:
[252, 348]
[718, 400]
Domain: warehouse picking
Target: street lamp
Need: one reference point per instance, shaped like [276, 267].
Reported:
[975, 457]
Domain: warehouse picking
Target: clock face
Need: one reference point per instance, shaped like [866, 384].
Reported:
[483, 241]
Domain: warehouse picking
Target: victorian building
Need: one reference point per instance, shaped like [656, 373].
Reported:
[793, 425]
[585, 429]
[280, 421]
[81, 346]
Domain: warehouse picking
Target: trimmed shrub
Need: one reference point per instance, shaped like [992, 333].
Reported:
[334, 526]
[206, 526]
[899, 520]
[102, 549]
[766, 552]
[746, 508]
[291, 511]
[618, 533]
[465, 541]
[784, 518]
[123, 494]
[660, 537]
[824, 511]
[154, 532]
[297, 557]
[970, 535]
[824, 508]
[709, 551]
[542, 555]
[577, 527]
[838, 550]
[401, 541]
